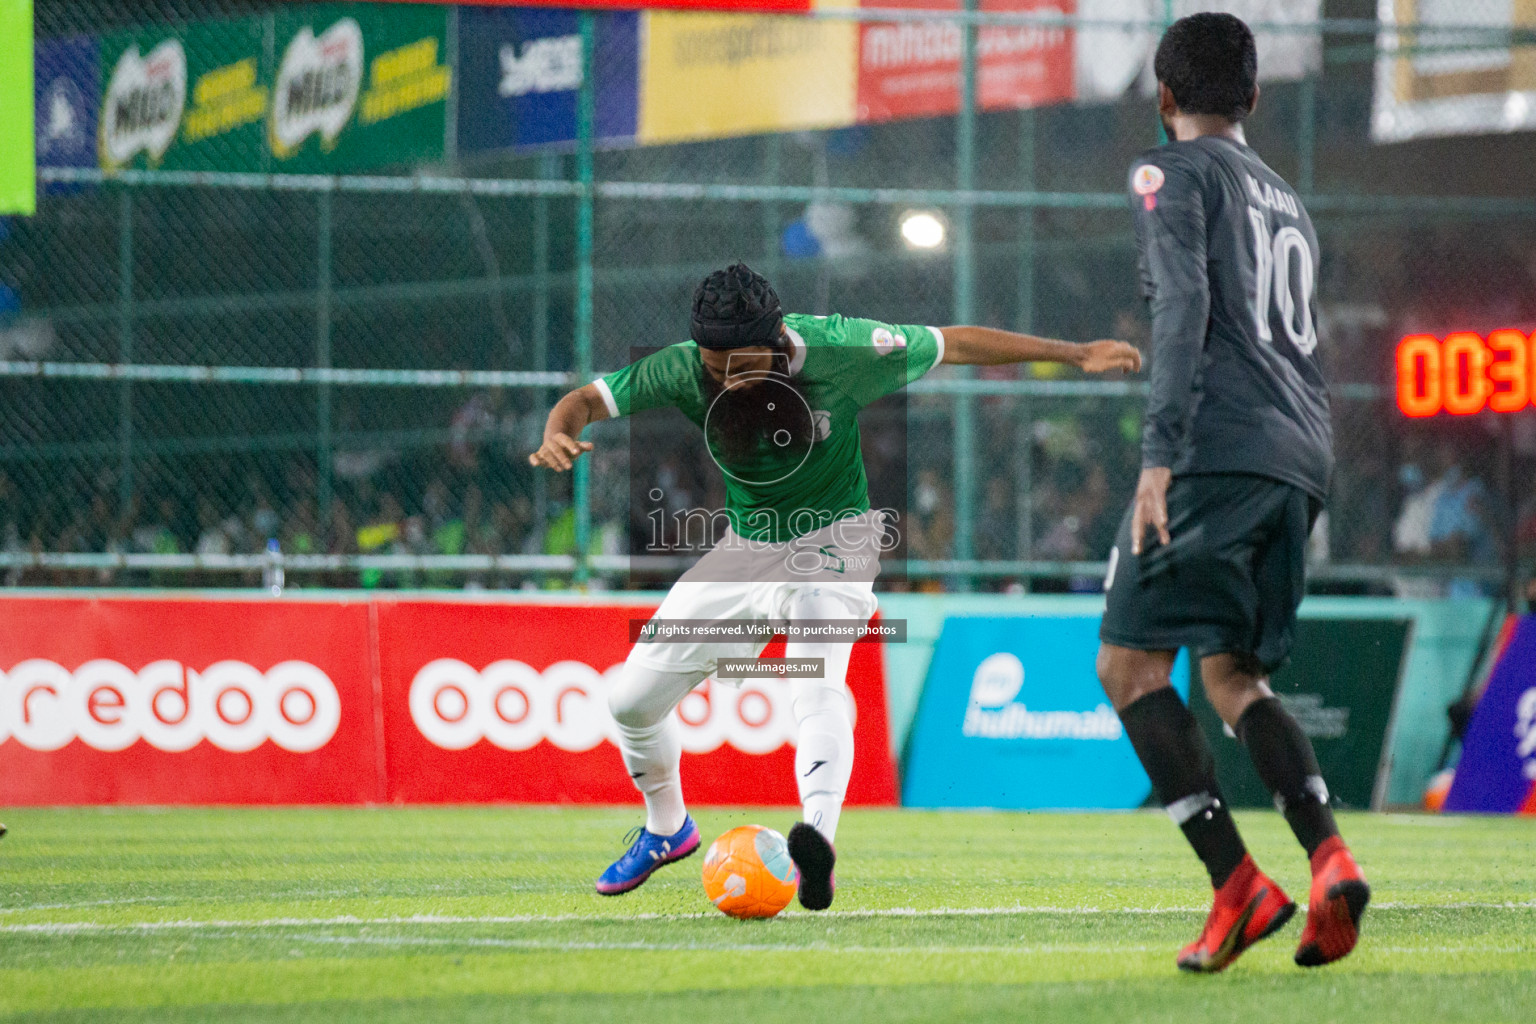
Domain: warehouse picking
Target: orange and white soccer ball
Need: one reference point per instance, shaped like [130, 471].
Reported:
[748, 873]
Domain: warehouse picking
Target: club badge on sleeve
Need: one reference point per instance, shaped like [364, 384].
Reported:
[1147, 180]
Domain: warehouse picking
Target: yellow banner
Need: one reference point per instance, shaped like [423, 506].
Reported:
[711, 75]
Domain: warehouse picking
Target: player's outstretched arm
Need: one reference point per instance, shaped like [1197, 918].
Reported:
[987, 346]
[562, 431]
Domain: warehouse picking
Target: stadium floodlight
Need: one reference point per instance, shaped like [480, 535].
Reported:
[922, 229]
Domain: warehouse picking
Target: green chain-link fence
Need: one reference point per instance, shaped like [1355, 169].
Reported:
[197, 361]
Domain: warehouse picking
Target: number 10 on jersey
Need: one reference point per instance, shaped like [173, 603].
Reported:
[1286, 287]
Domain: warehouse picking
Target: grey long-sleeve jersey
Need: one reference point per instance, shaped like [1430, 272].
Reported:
[1228, 262]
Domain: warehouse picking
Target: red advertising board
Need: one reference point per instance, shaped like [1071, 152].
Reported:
[501, 702]
[912, 68]
[507, 702]
[153, 700]
[186, 701]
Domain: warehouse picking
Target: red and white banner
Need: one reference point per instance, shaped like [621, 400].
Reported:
[912, 68]
[203, 700]
[186, 701]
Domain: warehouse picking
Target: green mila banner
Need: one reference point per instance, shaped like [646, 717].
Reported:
[1340, 686]
[188, 98]
[356, 86]
[315, 90]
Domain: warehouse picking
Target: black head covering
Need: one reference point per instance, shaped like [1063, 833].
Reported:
[735, 308]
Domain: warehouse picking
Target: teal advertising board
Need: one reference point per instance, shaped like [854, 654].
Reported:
[1012, 716]
[1339, 686]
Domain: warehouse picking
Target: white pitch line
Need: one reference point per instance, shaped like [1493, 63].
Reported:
[80, 906]
[816, 947]
[705, 947]
[303, 894]
[347, 920]
[545, 945]
[68, 927]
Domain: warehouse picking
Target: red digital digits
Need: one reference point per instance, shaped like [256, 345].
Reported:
[1465, 373]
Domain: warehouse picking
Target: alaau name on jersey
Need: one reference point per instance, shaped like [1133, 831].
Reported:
[788, 445]
[1268, 196]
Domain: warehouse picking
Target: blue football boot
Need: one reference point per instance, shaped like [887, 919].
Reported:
[647, 852]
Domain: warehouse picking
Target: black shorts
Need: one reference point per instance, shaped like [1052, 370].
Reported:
[1230, 581]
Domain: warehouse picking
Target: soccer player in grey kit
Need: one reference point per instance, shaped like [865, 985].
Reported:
[1237, 455]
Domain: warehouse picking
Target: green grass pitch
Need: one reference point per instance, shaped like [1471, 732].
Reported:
[488, 914]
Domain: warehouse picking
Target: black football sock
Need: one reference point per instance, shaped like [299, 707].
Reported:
[1177, 758]
[1283, 756]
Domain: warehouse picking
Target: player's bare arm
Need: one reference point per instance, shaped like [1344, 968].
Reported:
[562, 444]
[988, 346]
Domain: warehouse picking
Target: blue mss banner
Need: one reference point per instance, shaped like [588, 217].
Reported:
[67, 74]
[1497, 771]
[520, 69]
[1012, 716]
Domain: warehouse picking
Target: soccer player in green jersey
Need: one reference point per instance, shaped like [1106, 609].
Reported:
[777, 396]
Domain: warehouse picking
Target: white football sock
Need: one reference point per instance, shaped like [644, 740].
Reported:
[642, 706]
[824, 756]
[651, 755]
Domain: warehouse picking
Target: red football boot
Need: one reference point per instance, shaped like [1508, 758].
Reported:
[1249, 907]
[1339, 896]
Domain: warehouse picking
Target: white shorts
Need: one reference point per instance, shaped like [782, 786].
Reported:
[742, 580]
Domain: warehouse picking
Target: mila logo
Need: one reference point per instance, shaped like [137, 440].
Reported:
[144, 102]
[317, 86]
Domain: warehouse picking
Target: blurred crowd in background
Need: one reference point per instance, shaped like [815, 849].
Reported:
[1055, 474]
[1056, 477]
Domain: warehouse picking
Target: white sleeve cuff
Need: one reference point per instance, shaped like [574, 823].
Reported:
[938, 336]
[613, 407]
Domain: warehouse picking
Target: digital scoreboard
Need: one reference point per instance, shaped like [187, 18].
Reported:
[1466, 373]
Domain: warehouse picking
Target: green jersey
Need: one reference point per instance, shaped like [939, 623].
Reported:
[839, 365]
